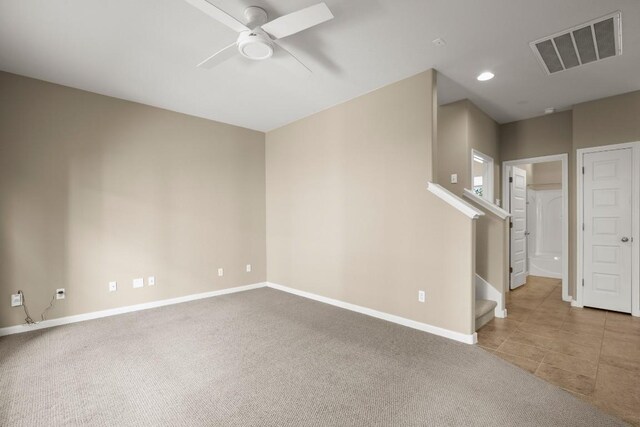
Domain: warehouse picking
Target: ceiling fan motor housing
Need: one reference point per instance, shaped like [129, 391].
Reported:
[255, 16]
[256, 45]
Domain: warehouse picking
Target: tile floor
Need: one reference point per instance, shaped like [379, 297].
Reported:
[594, 354]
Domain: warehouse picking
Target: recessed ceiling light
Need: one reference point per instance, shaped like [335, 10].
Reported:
[487, 75]
[549, 110]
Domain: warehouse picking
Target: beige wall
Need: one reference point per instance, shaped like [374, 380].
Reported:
[462, 127]
[492, 249]
[606, 121]
[453, 148]
[349, 216]
[547, 173]
[540, 136]
[545, 176]
[94, 189]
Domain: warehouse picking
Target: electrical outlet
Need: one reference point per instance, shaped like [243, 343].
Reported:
[113, 286]
[16, 300]
[421, 296]
[151, 281]
[61, 293]
[248, 268]
[138, 283]
[220, 272]
[454, 178]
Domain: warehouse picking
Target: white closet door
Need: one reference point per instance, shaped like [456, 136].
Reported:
[607, 234]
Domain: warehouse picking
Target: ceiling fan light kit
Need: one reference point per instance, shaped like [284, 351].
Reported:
[257, 40]
[255, 45]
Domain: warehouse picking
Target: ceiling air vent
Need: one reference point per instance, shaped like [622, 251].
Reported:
[590, 42]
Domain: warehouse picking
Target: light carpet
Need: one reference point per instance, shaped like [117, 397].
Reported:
[267, 358]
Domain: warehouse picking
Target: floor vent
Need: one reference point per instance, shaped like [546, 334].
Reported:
[586, 43]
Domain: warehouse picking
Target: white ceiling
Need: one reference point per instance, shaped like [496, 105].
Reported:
[146, 51]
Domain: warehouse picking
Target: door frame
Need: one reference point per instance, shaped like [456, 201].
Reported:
[635, 221]
[506, 190]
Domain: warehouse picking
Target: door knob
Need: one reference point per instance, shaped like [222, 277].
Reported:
[625, 239]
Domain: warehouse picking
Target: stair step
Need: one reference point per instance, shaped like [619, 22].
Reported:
[483, 306]
[484, 311]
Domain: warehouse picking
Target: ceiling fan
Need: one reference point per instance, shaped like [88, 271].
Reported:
[258, 38]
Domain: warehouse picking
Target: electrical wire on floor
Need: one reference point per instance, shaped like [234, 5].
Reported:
[28, 319]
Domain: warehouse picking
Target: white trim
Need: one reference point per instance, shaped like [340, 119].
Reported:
[564, 158]
[457, 336]
[455, 201]
[635, 224]
[485, 290]
[487, 179]
[121, 310]
[494, 209]
[500, 313]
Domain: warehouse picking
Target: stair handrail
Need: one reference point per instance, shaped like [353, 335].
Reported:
[494, 209]
[466, 208]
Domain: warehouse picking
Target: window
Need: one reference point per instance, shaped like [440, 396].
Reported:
[482, 175]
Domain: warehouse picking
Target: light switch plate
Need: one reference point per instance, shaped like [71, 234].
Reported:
[248, 268]
[421, 296]
[454, 178]
[220, 272]
[113, 286]
[61, 293]
[138, 283]
[151, 281]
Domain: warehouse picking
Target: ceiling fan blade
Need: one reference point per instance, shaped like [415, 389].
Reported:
[297, 21]
[219, 15]
[289, 61]
[219, 57]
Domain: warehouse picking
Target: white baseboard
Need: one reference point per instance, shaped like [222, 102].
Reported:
[457, 336]
[127, 309]
[501, 313]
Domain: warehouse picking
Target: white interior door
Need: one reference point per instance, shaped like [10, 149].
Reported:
[607, 213]
[518, 208]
